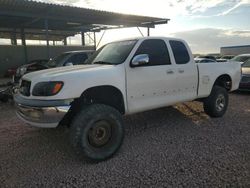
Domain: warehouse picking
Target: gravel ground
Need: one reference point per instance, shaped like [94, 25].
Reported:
[177, 146]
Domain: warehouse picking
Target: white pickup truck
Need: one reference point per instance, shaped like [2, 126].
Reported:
[122, 78]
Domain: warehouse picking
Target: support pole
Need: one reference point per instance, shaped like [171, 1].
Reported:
[24, 46]
[83, 38]
[65, 41]
[23, 37]
[46, 25]
[148, 31]
[94, 41]
[13, 38]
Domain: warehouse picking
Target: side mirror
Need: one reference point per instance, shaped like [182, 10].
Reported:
[69, 64]
[141, 59]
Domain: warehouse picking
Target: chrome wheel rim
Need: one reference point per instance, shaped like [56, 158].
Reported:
[220, 102]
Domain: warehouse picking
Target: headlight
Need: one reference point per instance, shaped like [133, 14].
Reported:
[22, 71]
[18, 71]
[47, 88]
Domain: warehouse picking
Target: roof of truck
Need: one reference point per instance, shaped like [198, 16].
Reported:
[154, 37]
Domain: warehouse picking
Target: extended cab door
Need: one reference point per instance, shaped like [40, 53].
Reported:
[151, 85]
[186, 71]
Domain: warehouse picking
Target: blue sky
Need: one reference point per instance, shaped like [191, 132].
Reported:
[205, 24]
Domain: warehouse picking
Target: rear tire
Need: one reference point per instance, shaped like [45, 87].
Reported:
[97, 132]
[215, 105]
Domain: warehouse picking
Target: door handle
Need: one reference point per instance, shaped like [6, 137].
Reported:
[170, 72]
[181, 71]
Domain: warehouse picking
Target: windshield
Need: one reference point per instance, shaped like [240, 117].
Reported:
[55, 61]
[113, 53]
[246, 64]
[240, 58]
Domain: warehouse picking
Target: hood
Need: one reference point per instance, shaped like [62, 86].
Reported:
[27, 65]
[246, 70]
[49, 74]
[23, 68]
[29, 68]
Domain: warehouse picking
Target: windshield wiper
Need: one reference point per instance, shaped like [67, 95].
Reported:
[103, 63]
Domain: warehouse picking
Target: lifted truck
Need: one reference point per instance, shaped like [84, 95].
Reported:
[122, 78]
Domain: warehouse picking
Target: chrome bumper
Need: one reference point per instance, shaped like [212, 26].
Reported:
[47, 117]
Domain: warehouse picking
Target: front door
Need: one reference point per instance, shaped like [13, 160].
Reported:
[151, 85]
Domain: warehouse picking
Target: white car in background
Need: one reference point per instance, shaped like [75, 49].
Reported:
[240, 58]
[225, 58]
[204, 60]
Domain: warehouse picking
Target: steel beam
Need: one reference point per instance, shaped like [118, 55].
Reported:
[46, 26]
[83, 38]
[24, 45]
[13, 37]
[101, 38]
[94, 40]
[65, 41]
[140, 31]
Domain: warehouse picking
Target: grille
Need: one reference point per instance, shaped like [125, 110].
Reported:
[25, 88]
[245, 79]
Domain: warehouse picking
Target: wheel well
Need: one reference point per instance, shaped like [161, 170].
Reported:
[224, 81]
[108, 95]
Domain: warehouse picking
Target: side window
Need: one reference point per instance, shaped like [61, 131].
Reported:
[211, 61]
[157, 51]
[73, 59]
[78, 58]
[180, 52]
[82, 58]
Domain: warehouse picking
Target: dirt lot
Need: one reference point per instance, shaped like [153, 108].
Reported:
[172, 147]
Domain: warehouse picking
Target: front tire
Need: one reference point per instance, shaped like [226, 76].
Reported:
[97, 132]
[215, 105]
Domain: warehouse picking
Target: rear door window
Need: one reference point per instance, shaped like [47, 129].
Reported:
[180, 52]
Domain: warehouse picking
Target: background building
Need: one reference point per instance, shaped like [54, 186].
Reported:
[235, 50]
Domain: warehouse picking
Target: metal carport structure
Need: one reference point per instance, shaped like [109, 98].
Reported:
[24, 19]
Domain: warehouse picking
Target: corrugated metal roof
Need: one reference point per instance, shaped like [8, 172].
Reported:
[31, 16]
[23, 9]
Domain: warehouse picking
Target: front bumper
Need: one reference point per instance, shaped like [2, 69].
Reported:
[46, 114]
[244, 86]
[245, 83]
[16, 79]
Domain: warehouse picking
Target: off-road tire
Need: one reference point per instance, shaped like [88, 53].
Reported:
[91, 119]
[210, 104]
